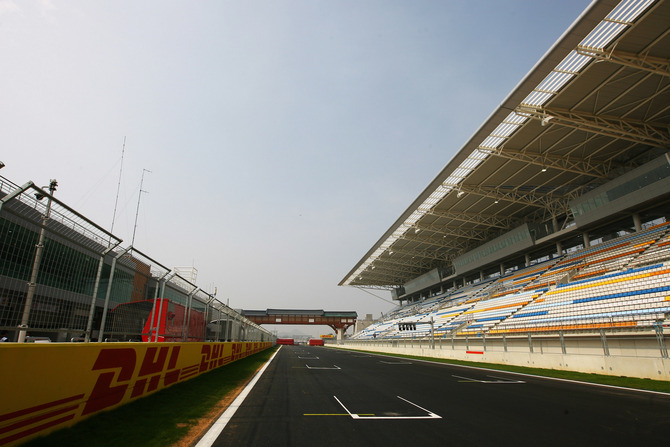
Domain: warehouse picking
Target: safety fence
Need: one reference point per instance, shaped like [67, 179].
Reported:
[64, 278]
[634, 354]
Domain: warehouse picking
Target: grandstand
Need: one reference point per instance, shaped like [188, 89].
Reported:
[553, 219]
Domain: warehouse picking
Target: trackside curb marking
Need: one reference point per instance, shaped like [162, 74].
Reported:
[499, 380]
[218, 426]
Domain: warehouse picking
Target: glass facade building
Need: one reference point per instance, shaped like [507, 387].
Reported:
[71, 298]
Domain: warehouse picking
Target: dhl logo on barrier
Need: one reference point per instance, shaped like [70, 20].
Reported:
[59, 384]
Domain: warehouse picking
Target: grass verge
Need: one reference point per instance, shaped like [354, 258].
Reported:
[161, 419]
[627, 382]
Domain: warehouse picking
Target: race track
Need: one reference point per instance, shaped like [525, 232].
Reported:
[315, 396]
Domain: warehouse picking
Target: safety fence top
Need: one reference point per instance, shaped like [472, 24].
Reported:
[29, 202]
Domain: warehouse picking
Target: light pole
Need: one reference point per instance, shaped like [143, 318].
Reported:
[23, 327]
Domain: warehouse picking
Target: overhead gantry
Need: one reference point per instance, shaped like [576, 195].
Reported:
[339, 321]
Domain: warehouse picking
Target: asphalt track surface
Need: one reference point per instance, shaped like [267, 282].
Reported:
[315, 396]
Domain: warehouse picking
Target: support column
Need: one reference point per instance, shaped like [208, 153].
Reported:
[559, 248]
[340, 335]
[527, 260]
[502, 269]
[560, 336]
[661, 339]
[432, 333]
[603, 338]
[637, 221]
[587, 241]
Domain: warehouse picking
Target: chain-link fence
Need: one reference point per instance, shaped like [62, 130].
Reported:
[65, 278]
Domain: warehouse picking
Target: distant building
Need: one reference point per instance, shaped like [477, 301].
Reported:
[363, 323]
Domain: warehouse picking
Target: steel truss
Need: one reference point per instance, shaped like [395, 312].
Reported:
[632, 130]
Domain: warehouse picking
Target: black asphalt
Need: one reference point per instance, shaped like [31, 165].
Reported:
[315, 396]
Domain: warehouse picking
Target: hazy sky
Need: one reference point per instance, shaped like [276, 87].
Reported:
[283, 137]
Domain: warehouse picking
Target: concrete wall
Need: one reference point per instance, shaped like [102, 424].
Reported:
[48, 386]
[629, 356]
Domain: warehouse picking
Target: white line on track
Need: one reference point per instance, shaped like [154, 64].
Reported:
[430, 414]
[323, 367]
[218, 426]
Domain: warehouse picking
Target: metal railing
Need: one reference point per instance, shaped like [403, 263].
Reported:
[649, 342]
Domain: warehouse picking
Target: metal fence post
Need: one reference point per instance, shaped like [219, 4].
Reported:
[101, 332]
[23, 327]
[91, 312]
[187, 314]
[152, 326]
[162, 294]
[207, 317]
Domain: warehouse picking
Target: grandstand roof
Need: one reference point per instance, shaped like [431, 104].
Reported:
[595, 106]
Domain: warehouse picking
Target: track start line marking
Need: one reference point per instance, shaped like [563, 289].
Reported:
[395, 363]
[429, 414]
[323, 367]
[334, 414]
[499, 380]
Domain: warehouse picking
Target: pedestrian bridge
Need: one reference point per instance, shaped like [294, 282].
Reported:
[339, 321]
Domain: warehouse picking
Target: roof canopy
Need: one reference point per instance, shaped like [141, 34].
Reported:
[595, 106]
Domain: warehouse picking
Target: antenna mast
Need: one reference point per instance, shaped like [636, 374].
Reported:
[139, 196]
[118, 187]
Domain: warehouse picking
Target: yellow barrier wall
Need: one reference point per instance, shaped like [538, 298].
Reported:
[44, 387]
